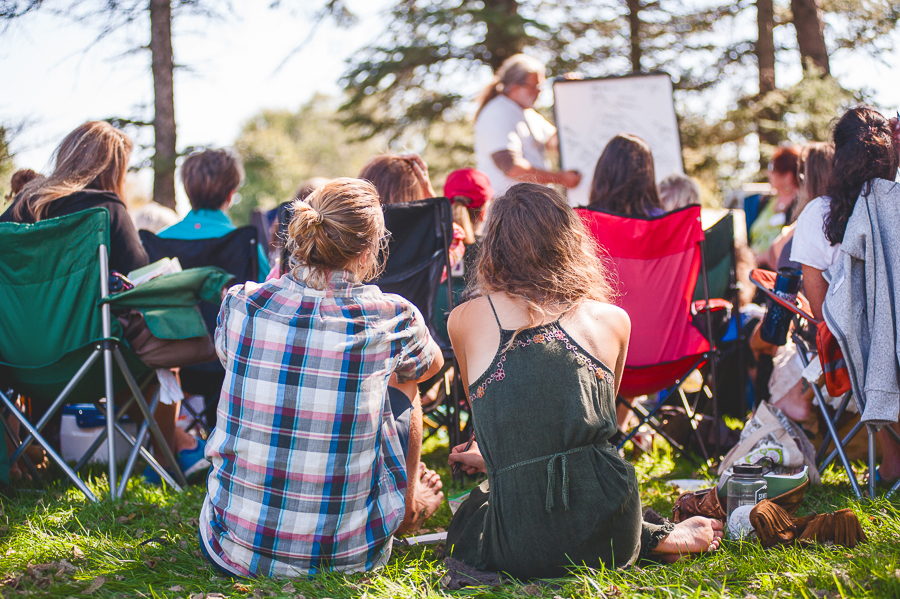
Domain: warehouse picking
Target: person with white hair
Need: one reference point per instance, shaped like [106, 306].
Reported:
[511, 138]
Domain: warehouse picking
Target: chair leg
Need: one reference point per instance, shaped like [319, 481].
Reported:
[148, 418]
[873, 468]
[832, 432]
[35, 435]
[837, 416]
[54, 407]
[139, 449]
[16, 441]
[110, 420]
[831, 456]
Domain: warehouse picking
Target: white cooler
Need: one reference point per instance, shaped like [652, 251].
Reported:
[81, 425]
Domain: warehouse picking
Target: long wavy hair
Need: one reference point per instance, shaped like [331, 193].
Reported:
[536, 248]
[624, 178]
[863, 150]
[93, 156]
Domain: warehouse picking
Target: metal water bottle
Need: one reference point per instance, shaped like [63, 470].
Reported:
[777, 321]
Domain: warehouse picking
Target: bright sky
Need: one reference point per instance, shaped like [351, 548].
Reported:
[52, 84]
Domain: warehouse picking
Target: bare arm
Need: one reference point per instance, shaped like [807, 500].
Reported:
[516, 167]
[815, 287]
[470, 461]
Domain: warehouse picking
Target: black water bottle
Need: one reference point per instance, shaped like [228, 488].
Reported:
[777, 321]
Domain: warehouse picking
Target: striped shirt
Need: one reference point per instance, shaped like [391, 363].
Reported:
[307, 470]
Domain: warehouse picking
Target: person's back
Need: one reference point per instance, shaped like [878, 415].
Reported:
[211, 178]
[542, 352]
[309, 471]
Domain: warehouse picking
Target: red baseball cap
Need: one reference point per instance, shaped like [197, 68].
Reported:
[469, 183]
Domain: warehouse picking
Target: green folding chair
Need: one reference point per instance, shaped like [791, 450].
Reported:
[57, 325]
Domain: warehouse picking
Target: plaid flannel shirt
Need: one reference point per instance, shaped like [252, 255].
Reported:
[307, 470]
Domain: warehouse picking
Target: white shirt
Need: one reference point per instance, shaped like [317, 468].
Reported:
[811, 247]
[504, 125]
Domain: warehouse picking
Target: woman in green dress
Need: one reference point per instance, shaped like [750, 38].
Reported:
[542, 351]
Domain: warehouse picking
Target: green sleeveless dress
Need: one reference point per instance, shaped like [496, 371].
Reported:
[557, 492]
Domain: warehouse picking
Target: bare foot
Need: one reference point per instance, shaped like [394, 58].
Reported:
[427, 498]
[694, 535]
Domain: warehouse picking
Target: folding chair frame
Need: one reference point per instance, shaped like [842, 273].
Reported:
[108, 348]
[805, 352]
[710, 357]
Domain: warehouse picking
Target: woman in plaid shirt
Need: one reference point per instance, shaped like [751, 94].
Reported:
[319, 423]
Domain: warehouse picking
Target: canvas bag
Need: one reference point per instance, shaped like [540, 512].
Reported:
[769, 433]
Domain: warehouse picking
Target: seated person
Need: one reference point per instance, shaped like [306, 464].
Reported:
[91, 163]
[210, 179]
[403, 179]
[813, 170]
[779, 209]
[541, 352]
[315, 458]
[470, 191]
[625, 183]
[625, 180]
[864, 149]
[677, 191]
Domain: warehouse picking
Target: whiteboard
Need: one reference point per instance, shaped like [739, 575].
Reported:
[590, 112]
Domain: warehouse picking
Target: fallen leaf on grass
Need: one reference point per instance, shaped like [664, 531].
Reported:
[176, 588]
[77, 553]
[288, 588]
[198, 596]
[124, 519]
[150, 563]
[95, 584]
[193, 522]
[140, 532]
[197, 553]
[215, 596]
[11, 581]
[531, 590]
[182, 544]
[241, 588]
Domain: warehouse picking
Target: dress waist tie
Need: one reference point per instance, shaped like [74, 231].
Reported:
[562, 457]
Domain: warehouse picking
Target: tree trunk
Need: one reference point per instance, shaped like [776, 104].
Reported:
[810, 26]
[765, 45]
[765, 56]
[634, 22]
[504, 34]
[163, 67]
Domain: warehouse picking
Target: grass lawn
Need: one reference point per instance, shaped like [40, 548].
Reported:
[146, 546]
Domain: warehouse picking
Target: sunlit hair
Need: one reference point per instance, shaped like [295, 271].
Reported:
[535, 248]
[514, 71]
[335, 226]
[394, 177]
[863, 150]
[210, 177]
[624, 178]
[784, 160]
[813, 171]
[677, 191]
[93, 156]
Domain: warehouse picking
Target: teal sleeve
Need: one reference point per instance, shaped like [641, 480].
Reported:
[263, 264]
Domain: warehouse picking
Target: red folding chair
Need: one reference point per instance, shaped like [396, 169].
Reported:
[657, 261]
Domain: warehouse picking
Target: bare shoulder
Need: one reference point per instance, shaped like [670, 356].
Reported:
[608, 317]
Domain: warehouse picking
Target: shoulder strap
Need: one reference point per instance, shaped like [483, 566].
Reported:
[497, 318]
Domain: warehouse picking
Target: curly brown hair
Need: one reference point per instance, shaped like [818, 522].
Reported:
[864, 149]
[536, 248]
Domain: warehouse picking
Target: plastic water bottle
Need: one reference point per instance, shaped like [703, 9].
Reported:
[746, 488]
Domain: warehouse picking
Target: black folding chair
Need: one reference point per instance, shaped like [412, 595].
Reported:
[418, 256]
[236, 253]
